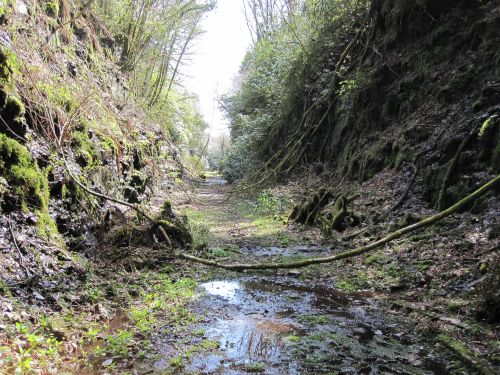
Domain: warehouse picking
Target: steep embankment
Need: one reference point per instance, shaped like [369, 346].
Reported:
[66, 108]
[385, 113]
[410, 87]
[72, 133]
[413, 84]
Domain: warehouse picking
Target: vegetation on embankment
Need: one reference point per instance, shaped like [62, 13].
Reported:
[73, 115]
[353, 91]
[90, 102]
[353, 87]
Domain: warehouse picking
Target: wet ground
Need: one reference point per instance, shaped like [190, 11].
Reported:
[281, 325]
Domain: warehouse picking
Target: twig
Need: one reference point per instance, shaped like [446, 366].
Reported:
[21, 257]
[452, 167]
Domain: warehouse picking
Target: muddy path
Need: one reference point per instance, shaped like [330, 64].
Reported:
[289, 322]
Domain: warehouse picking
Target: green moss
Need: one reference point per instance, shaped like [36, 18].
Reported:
[314, 319]
[13, 116]
[456, 304]
[60, 95]
[27, 181]
[52, 8]
[166, 209]
[375, 259]
[14, 107]
[423, 265]
[255, 367]
[8, 66]
[292, 338]
[86, 153]
[72, 192]
[486, 125]
[218, 252]
[107, 143]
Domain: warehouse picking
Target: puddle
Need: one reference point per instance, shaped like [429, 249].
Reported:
[281, 325]
[225, 289]
[215, 180]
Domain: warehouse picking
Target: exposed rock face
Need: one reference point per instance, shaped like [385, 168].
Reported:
[70, 101]
[423, 76]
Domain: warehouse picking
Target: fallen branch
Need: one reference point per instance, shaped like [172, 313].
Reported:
[134, 207]
[358, 251]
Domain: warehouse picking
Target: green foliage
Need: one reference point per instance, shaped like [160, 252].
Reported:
[271, 203]
[85, 149]
[60, 95]
[218, 252]
[290, 68]
[490, 121]
[118, 343]
[354, 84]
[32, 347]
[155, 37]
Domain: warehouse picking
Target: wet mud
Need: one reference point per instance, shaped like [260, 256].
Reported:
[282, 325]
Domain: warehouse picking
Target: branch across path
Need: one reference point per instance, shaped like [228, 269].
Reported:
[358, 251]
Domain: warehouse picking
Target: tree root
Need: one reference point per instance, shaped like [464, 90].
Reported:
[358, 251]
[466, 354]
[451, 168]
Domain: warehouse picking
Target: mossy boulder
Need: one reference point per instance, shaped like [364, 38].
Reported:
[137, 187]
[11, 108]
[86, 153]
[28, 185]
[5, 66]
[12, 112]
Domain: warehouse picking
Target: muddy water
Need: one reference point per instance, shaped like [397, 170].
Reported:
[282, 325]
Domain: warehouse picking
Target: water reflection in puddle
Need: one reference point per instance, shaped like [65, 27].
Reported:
[282, 325]
[224, 289]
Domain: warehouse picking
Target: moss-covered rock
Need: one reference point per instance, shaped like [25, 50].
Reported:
[12, 113]
[11, 108]
[6, 69]
[27, 183]
[86, 153]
